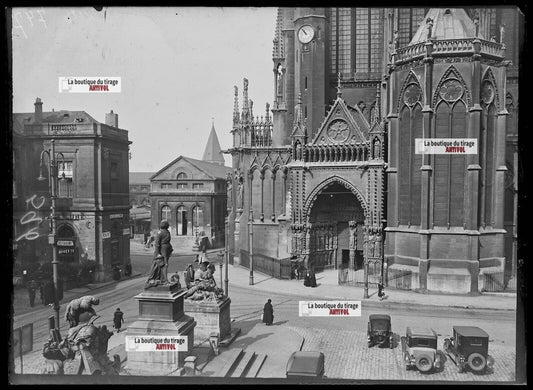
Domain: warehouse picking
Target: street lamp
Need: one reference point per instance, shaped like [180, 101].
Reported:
[52, 183]
[226, 245]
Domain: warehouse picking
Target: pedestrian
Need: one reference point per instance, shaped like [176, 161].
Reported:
[381, 290]
[118, 319]
[32, 289]
[163, 246]
[268, 313]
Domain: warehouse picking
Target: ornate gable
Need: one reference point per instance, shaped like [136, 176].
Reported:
[343, 124]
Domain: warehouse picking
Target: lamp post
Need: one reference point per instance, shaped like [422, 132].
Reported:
[52, 182]
[226, 245]
[384, 265]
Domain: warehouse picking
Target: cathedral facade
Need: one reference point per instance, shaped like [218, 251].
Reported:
[329, 176]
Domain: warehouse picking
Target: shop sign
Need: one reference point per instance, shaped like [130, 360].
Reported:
[125, 232]
[106, 234]
[65, 243]
[116, 216]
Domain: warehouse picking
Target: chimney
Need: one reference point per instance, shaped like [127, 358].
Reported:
[111, 119]
[38, 110]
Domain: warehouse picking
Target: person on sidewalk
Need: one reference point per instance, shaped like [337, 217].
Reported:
[268, 313]
[162, 246]
[381, 290]
[32, 289]
[118, 319]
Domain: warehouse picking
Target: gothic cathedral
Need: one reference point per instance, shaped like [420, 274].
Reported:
[329, 177]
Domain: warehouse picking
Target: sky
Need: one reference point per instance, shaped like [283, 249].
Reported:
[177, 66]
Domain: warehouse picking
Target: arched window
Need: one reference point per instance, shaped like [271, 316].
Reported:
[182, 176]
[165, 213]
[487, 152]
[449, 169]
[181, 220]
[198, 218]
[410, 122]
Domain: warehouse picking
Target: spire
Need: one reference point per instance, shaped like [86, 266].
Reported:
[267, 116]
[213, 152]
[299, 122]
[378, 104]
[251, 109]
[339, 85]
[278, 50]
[236, 106]
[245, 100]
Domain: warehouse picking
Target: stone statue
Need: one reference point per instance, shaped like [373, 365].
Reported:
[429, 24]
[377, 149]
[229, 187]
[502, 32]
[84, 349]
[240, 192]
[78, 306]
[156, 275]
[377, 249]
[204, 287]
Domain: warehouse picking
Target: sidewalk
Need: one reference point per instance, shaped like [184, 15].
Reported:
[328, 288]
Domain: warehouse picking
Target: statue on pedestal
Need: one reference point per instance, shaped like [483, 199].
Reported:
[84, 350]
[204, 287]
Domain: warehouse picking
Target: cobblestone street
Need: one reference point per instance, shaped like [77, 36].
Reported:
[348, 357]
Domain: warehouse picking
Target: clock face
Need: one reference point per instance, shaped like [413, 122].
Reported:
[306, 34]
[451, 90]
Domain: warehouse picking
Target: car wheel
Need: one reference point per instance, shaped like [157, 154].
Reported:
[424, 362]
[477, 362]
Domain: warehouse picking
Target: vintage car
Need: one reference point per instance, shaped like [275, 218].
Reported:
[469, 347]
[305, 364]
[379, 331]
[419, 349]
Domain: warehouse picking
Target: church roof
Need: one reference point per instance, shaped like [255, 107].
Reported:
[213, 152]
[448, 23]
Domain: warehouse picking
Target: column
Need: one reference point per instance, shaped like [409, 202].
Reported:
[284, 189]
[262, 178]
[273, 216]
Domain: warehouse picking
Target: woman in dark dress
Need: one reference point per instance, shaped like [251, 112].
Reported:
[268, 313]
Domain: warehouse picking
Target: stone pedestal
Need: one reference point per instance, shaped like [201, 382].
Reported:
[211, 317]
[160, 313]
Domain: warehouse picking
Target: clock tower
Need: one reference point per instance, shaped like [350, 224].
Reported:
[310, 64]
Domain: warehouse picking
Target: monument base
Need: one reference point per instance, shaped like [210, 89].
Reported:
[211, 317]
[160, 313]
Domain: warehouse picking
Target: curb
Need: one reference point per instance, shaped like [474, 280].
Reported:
[387, 304]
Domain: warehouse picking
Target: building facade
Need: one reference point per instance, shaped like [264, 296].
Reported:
[92, 205]
[332, 176]
[191, 195]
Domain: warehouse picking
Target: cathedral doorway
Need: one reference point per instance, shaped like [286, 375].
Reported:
[336, 221]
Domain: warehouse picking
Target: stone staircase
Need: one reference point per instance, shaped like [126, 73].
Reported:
[241, 364]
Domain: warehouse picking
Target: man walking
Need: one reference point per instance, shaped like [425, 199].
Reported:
[32, 289]
[118, 319]
[268, 313]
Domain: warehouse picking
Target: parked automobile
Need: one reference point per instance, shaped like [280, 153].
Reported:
[379, 331]
[469, 348]
[419, 349]
[305, 364]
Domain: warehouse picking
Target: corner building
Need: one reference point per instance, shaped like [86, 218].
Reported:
[330, 174]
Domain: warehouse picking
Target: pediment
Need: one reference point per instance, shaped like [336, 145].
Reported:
[181, 165]
[343, 125]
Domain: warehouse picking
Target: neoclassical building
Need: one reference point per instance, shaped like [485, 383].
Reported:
[330, 174]
[191, 195]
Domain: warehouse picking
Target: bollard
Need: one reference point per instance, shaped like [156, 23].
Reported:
[213, 341]
[190, 365]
